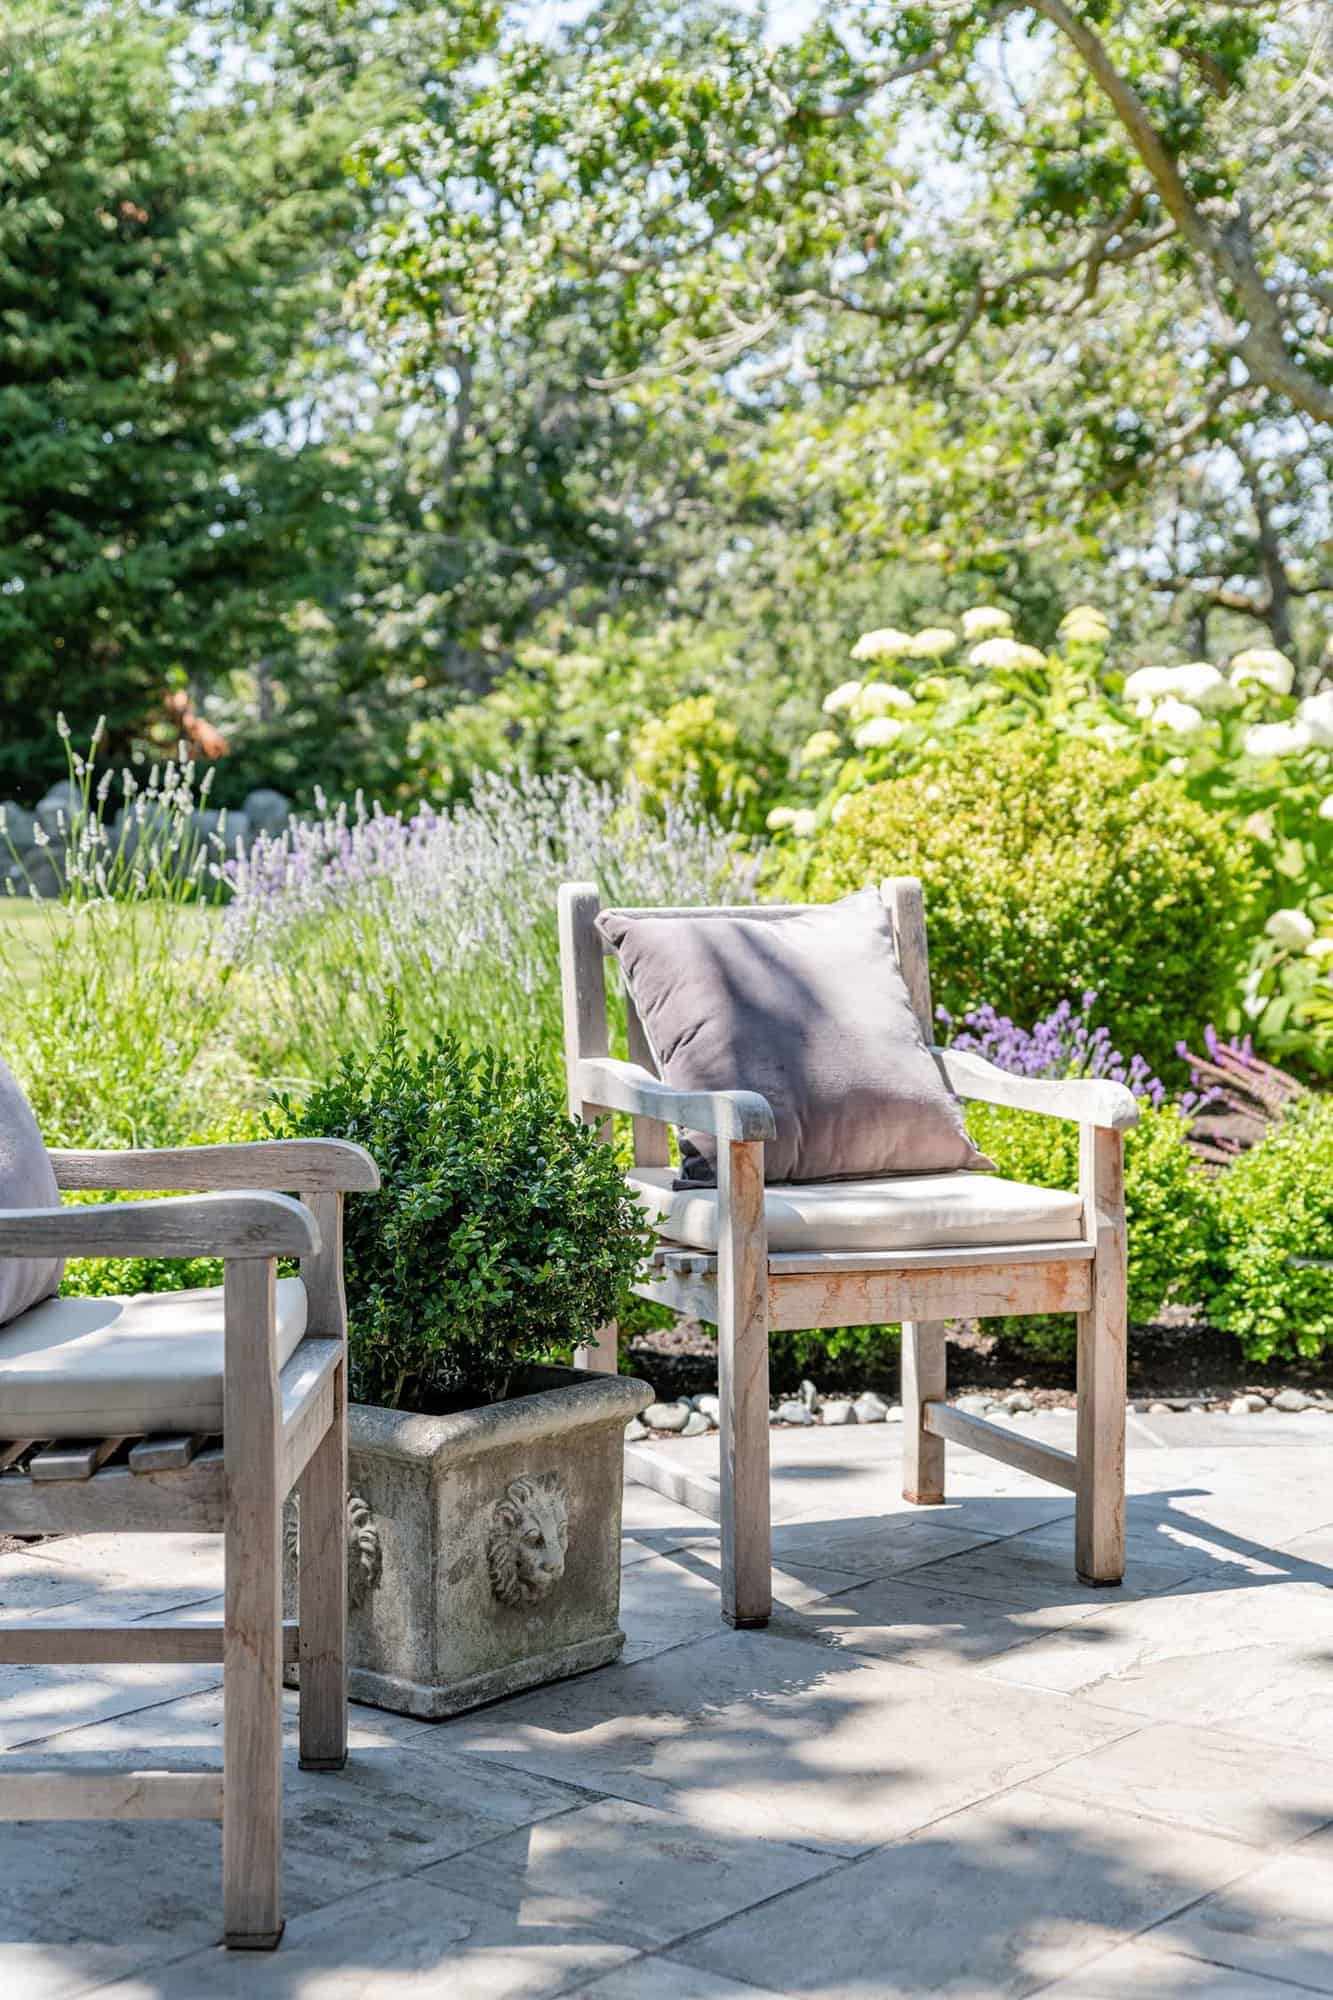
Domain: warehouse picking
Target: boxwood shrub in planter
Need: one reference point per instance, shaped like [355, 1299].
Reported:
[485, 1483]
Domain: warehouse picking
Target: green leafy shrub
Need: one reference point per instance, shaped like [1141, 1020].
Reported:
[98, 1277]
[1168, 1203]
[1273, 1213]
[1049, 866]
[503, 1228]
[858, 1356]
[691, 748]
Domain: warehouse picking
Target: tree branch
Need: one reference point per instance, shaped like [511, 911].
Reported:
[1226, 253]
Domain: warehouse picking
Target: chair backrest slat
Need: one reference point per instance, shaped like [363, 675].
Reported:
[907, 913]
[652, 1139]
[582, 983]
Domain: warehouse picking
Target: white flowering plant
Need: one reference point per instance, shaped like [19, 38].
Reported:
[1287, 993]
[1237, 734]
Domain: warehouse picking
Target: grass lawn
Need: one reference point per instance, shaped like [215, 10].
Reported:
[22, 930]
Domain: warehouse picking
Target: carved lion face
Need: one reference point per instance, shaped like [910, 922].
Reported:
[527, 1539]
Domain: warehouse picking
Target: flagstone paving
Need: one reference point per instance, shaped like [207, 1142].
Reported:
[946, 1768]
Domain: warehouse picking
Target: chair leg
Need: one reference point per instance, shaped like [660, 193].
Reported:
[1099, 1500]
[252, 1646]
[602, 1353]
[924, 1379]
[322, 1596]
[742, 1341]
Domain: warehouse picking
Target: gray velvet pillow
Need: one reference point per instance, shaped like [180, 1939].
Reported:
[806, 1006]
[27, 1180]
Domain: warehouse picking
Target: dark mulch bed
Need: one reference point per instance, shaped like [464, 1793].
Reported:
[1178, 1358]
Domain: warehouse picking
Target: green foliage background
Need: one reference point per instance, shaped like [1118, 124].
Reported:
[1051, 867]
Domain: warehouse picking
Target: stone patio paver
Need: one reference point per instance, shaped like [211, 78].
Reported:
[1133, 1970]
[945, 1769]
[633, 1872]
[1203, 1778]
[998, 1900]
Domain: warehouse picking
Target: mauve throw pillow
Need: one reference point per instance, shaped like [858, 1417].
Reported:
[806, 1006]
[27, 1180]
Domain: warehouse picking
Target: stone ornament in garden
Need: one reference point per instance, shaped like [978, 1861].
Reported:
[529, 1534]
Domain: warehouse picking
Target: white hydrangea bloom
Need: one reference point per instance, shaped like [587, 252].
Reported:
[839, 806]
[804, 823]
[983, 621]
[1085, 625]
[1292, 929]
[1177, 766]
[1316, 712]
[825, 743]
[1320, 947]
[1277, 739]
[780, 817]
[1263, 666]
[1149, 683]
[933, 643]
[841, 698]
[1205, 685]
[885, 644]
[877, 698]
[878, 733]
[997, 655]
[1326, 807]
[1182, 718]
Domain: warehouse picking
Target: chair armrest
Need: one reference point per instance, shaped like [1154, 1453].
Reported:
[1085, 1100]
[193, 1225]
[738, 1115]
[315, 1166]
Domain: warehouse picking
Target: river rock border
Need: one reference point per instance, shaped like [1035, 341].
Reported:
[694, 1416]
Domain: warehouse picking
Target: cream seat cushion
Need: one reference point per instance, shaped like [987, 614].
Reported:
[124, 1367]
[900, 1212]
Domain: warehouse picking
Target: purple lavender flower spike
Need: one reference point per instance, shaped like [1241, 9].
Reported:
[1063, 1043]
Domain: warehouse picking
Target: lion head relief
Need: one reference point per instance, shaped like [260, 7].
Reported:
[365, 1554]
[527, 1538]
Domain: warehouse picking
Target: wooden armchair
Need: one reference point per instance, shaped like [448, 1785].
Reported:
[917, 1249]
[195, 1412]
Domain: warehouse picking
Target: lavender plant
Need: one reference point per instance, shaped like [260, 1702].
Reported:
[1165, 1194]
[1066, 1042]
[450, 913]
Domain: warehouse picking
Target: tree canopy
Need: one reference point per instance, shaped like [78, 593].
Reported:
[356, 358]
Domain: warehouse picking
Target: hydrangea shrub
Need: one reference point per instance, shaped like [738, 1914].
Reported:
[1052, 866]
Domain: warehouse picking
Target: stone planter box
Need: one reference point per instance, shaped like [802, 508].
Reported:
[484, 1547]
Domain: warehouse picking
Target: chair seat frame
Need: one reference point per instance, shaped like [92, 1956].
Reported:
[746, 1292]
[283, 1430]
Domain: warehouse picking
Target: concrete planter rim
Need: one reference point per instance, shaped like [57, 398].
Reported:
[553, 1400]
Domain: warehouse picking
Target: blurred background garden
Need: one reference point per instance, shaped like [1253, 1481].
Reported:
[723, 452]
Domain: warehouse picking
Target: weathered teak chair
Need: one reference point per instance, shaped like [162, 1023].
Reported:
[1061, 1253]
[234, 1396]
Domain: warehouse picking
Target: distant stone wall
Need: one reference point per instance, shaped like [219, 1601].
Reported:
[28, 862]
